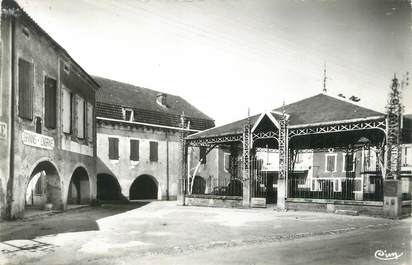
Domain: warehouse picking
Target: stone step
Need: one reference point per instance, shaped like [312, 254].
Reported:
[347, 212]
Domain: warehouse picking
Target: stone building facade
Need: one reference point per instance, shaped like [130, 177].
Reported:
[46, 118]
[139, 134]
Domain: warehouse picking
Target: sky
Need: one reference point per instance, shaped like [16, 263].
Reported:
[228, 56]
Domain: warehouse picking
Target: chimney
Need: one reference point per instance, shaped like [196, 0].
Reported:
[161, 99]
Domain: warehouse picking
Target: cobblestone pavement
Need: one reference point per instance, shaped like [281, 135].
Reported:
[162, 230]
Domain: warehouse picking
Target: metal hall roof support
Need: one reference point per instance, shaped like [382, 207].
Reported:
[393, 132]
[283, 163]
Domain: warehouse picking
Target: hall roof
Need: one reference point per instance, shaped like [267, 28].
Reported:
[114, 96]
[318, 109]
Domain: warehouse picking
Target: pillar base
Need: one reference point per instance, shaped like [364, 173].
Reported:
[392, 199]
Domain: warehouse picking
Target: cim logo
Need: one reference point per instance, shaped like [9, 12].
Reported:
[384, 255]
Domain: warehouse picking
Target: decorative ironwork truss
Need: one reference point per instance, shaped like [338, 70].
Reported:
[266, 135]
[215, 140]
[360, 125]
[246, 151]
[283, 148]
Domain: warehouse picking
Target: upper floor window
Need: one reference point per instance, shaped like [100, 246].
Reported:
[50, 102]
[26, 83]
[128, 114]
[80, 113]
[113, 148]
[67, 110]
[153, 151]
[134, 150]
[348, 162]
[330, 163]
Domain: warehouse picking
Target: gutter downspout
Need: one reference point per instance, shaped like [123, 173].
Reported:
[10, 182]
[167, 166]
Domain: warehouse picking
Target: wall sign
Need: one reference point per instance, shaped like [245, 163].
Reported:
[37, 140]
[3, 130]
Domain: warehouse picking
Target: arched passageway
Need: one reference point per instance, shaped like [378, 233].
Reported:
[79, 189]
[44, 187]
[108, 188]
[143, 188]
[199, 185]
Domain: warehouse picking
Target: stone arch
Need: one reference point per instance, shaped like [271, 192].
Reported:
[144, 187]
[108, 187]
[79, 188]
[44, 186]
[199, 185]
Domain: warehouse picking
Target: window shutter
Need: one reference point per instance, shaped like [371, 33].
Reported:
[113, 148]
[80, 117]
[25, 89]
[153, 151]
[50, 101]
[66, 111]
[348, 162]
[90, 122]
[134, 150]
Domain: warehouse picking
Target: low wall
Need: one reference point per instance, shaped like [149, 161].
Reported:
[214, 201]
[322, 205]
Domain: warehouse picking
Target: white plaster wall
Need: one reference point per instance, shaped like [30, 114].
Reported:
[126, 171]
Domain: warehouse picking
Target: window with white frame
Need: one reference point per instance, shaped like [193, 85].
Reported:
[128, 114]
[348, 162]
[330, 162]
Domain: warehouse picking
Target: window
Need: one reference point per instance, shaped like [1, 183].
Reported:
[80, 117]
[348, 162]
[113, 148]
[227, 162]
[134, 150]
[50, 101]
[128, 114]
[38, 125]
[67, 98]
[26, 82]
[202, 154]
[330, 163]
[90, 122]
[153, 151]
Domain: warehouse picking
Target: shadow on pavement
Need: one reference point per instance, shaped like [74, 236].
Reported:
[84, 219]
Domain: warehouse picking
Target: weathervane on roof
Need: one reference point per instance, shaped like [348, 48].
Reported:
[324, 78]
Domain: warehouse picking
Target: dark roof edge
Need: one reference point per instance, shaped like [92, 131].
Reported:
[332, 96]
[147, 124]
[11, 4]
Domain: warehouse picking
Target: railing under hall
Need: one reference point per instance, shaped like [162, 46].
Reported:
[340, 189]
